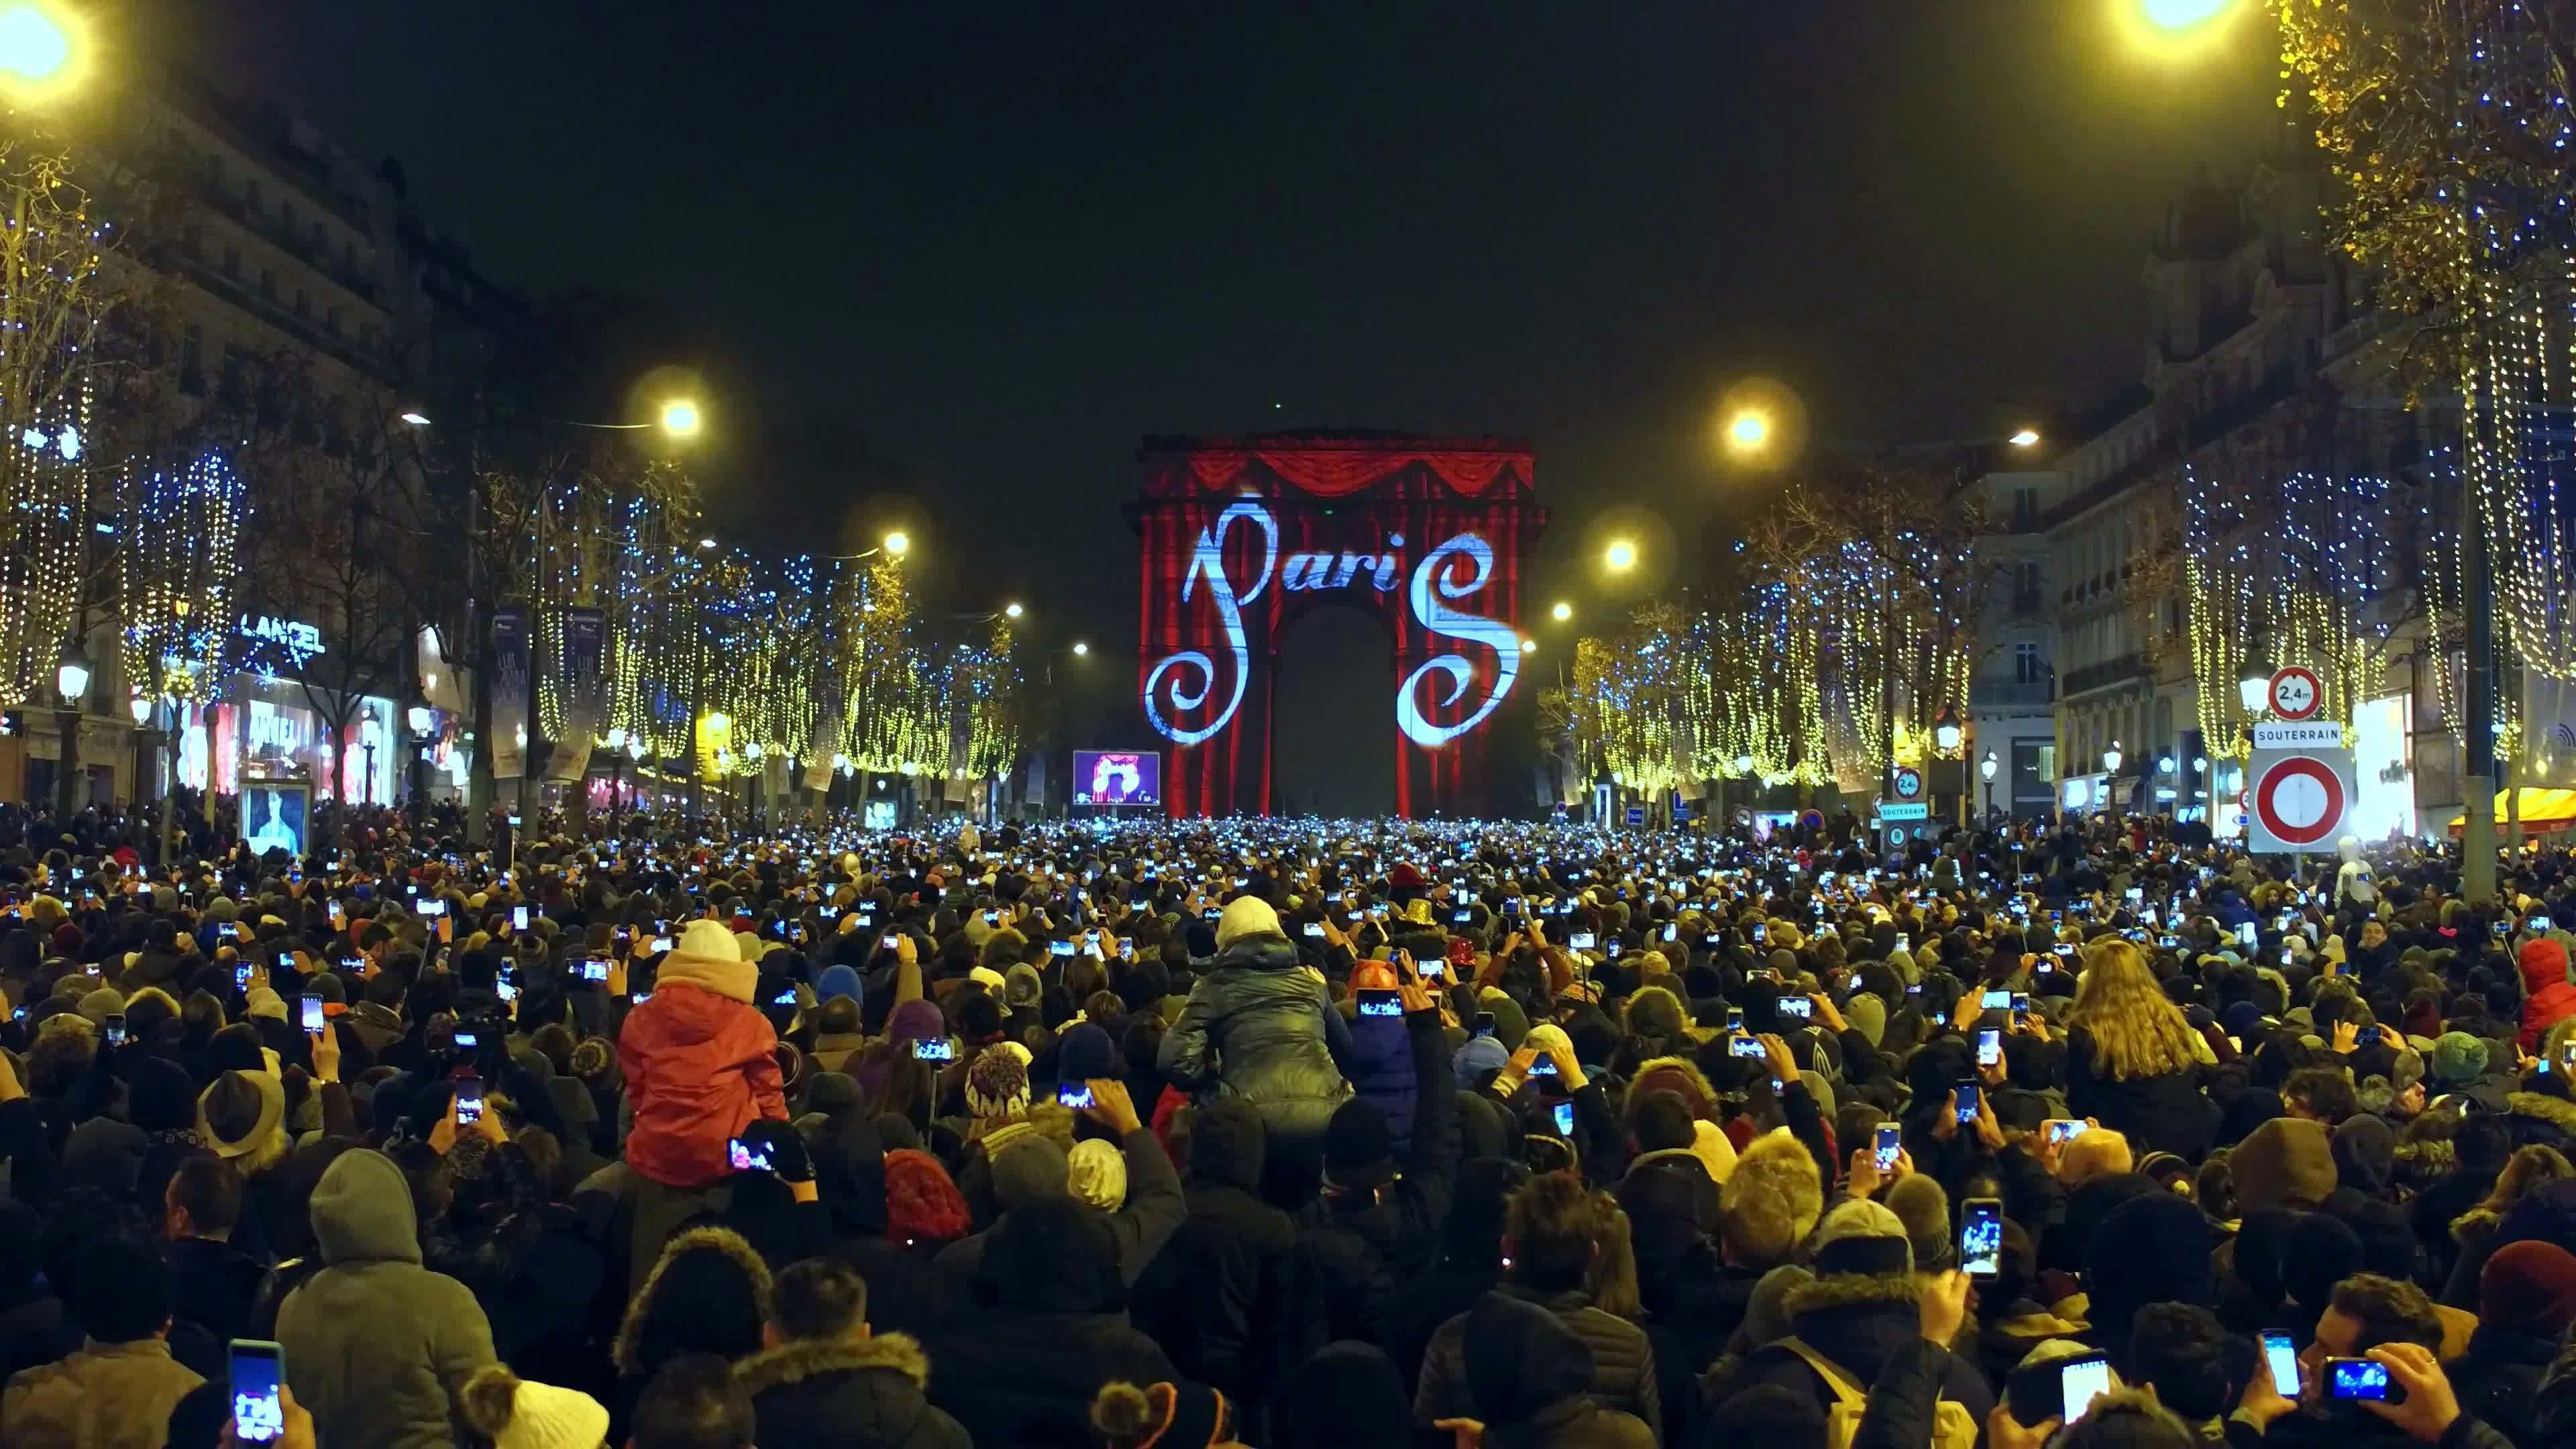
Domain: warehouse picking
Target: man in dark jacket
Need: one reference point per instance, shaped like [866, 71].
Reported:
[217, 1282]
[1531, 1374]
[1375, 1227]
[1549, 1237]
[828, 1382]
[1023, 1369]
[1216, 1296]
[1261, 1027]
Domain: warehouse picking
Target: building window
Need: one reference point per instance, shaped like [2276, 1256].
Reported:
[331, 321]
[303, 303]
[268, 283]
[232, 263]
[192, 358]
[286, 217]
[252, 195]
[2027, 668]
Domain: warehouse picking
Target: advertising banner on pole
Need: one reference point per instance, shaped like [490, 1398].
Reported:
[826, 743]
[585, 691]
[509, 692]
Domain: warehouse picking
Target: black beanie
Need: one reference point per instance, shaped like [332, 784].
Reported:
[1358, 1149]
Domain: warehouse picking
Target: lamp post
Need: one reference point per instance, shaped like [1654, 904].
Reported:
[1986, 768]
[367, 720]
[147, 751]
[71, 682]
[419, 719]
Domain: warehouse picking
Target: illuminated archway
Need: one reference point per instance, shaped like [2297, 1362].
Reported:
[1240, 537]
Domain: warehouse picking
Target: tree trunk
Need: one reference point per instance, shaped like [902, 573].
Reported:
[479, 784]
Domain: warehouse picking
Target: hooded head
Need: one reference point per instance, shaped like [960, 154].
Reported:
[362, 1211]
[1226, 1145]
[1346, 1395]
[2543, 962]
[2287, 1162]
[2365, 1154]
[708, 1293]
[2319, 1252]
[1052, 1255]
[1770, 1201]
[2154, 1248]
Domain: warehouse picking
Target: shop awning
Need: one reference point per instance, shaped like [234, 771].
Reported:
[2542, 810]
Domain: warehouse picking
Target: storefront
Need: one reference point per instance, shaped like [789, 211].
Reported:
[269, 732]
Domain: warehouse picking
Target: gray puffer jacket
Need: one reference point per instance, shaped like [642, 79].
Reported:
[1260, 1028]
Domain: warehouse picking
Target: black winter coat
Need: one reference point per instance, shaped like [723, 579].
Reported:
[1259, 1028]
[2498, 1378]
[1623, 1363]
[1027, 1378]
[1217, 1294]
[1354, 1253]
[2157, 1114]
[846, 1394]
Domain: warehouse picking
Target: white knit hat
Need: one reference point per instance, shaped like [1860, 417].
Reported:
[1097, 1174]
[708, 939]
[516, 1414]
[1245, 916]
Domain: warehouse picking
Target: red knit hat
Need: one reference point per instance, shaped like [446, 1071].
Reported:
[922, 1202]
[2529, 1286]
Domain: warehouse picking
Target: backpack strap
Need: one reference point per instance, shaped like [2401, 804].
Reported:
[1845, 1391]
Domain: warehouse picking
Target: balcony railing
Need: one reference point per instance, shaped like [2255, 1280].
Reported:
[2010, 693]
[2109, 672]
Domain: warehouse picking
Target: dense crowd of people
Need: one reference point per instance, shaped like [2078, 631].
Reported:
[1283, 1133]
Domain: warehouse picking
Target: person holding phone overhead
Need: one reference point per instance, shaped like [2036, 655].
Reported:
[1262, 1027]
[699, 1061]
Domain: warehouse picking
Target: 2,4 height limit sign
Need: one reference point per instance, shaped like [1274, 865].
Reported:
[2298, 799]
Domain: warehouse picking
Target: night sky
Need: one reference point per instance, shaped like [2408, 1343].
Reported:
[971, 254]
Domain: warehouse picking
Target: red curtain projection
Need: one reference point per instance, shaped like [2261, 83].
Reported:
[1240, 538]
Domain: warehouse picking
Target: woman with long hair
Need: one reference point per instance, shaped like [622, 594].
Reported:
[2132, 1063]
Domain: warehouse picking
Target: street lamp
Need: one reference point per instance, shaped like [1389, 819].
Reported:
[41, 49]
[1748, 430]
[2026, 438]
[1528, 645]
[2253, 687]
[1744, 766]
[1562, 612]
[1080, 648]
[367, 740]
[1620, 556]
[680, 418]
[1986, 768]
[71, 682]
[1011, 611]
[2111, 759]
[1945, 731]
[898, 543]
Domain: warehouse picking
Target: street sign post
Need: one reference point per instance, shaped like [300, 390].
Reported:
[1636, 814]
[2295, 693]
[2297, 799]
[1903, 810]
[1909, 783]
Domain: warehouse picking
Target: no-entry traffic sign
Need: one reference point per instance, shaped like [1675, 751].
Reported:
[2298, 799]
[2295, 692]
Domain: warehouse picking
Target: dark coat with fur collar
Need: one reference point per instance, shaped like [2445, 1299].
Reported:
[1860, 1322]
[846, 1394]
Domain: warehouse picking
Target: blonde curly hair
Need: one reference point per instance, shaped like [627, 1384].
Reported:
[2137, 1030]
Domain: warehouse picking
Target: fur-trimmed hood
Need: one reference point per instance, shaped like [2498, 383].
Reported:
[1856, 1290]
[2475, 1226]
[797, 1360]
[1678, 1074]
[2541, 1108]
[720, 1240]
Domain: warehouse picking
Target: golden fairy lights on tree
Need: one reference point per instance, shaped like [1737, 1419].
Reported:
[1627, 699]
[63, 306]
[1879, 590]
